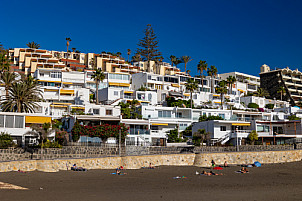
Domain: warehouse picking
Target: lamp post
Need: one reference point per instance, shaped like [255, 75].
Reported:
[120, 139]
[237, 145]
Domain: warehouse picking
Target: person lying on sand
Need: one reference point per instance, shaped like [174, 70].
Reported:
[244, 170]
[213, 173]
[206, 173]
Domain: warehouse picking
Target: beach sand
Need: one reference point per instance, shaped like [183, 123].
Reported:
[269, 182]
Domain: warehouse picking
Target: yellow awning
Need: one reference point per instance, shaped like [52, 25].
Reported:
[175, 85]
[81, 108]
[128, 92]
[217, 102]
[37, 119]
[186, 94]
[67, 82]
[49, 81]
[124, 85]
[241, 124]
[159, 124]
[114, 84]
[144, 101]
[62, 103]
[216, 95]
[51, 89]
[240, 90]
[64, 106]
[65, 91]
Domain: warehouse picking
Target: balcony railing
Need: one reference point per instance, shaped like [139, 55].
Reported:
[134, 131]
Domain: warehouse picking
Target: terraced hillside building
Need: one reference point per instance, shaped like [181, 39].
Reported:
[291, 80]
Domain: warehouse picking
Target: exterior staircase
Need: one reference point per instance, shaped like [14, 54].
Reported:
[224, 138]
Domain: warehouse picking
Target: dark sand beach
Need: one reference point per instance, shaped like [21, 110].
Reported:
[269, 182]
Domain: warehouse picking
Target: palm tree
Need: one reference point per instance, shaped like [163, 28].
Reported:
[128, 53]
[221, 89]
[191, 86]
[177, 61]
[261, 92]
[186, 59]
[23, 96]
[73, 49]
[118, 54]
[136, 58]
[7, 78]
[212, 71]
[188, 72]
[281, 91]
[33, 45]
[230, 81]
[98, 77]
[4, 62]
[202, 65]
[172, 59]
[67, 43]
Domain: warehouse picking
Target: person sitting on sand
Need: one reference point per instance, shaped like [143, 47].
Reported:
[225, 164]
[244, 170]
[151, 166]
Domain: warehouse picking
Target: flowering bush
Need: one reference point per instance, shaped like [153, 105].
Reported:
[60, 136]
[103, 131]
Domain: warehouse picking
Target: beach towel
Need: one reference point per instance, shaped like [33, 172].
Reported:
[218, 168]
[257, 164]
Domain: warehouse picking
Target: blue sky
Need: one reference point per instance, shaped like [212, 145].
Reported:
[233, 35]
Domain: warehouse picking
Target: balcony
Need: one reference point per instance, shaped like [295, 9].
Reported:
[134, 131]
[286, 76]
[292, 90]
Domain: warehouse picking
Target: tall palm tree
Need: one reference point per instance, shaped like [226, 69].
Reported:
[23, 96]
[128, 53]
[7, 78]
[73, 49]
[221, 89]
[118, 54]
[33, 45]
[230, 81]
[177, 61]
[98, 77]
[172, 59]
[186, 59]
[281, 91]
[261, 92]
[67, 43]
[191, 86]
[202, 66]
[212, 71]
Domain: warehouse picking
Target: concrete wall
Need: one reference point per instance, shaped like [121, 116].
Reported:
[136, 162]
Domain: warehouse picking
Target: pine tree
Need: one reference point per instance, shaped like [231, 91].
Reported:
[148, 46]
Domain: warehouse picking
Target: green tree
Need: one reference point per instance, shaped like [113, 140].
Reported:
[202, 66]
[22, 96]
[136, 58]
[293, 117]
[281, 91]
[7, 78]
[199, 137]
[173, 136]
[205, 118]
[5, 140]
[148, 46]
[4, 62]
[130, 109]
[33, 45]
[185, 60]
[261, 92]
[212, 71]
[221, 89]
[253, 136]
[230, 81]
[67, 43]
[191, 86]
[177, 61]
[269, 106]
[98, 76]
[172, 58]
[128, 53]
[253, 105]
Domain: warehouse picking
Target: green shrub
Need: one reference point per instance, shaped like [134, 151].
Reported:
[269, 106]
[253, 105]
[205, 118]
[5, 140]
[293, 117]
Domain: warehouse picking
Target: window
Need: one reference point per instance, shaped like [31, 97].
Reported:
[149, 97]
[159, 79]
[108, 112]
[195, 96]
[41, 74]
[116, 93]
[9, 121]
[2, 121]
[55, 74]
[164, 113]
[222, 115]
[149, 77]
[96, 111]
[19, 120]
[222, 128]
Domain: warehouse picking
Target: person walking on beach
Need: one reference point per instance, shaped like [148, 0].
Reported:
[213, 163]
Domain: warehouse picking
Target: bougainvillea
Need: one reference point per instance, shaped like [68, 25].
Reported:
[103, 131]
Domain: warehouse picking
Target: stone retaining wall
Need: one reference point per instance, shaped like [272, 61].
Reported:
[136, 162]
